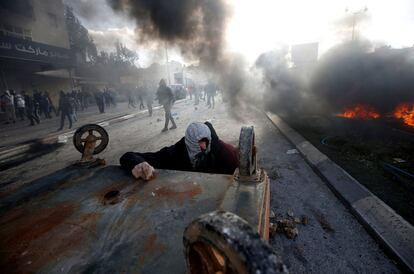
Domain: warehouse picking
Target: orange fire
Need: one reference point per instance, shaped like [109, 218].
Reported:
[361, 112]
[405, 111]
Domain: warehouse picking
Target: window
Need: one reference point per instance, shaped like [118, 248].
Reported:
[53, 19]
[16, 32]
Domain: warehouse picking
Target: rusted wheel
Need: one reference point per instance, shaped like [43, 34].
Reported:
[222, 242]
[99, 132]
[247, 151]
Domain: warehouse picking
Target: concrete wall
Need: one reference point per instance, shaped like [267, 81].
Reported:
[47, 24]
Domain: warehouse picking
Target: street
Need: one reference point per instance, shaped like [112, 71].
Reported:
[331, 241]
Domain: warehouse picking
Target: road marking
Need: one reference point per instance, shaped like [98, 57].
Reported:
[103, 124]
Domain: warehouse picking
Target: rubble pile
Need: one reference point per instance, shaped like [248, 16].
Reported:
[286, 225]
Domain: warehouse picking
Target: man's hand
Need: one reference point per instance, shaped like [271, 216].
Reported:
[143, 171]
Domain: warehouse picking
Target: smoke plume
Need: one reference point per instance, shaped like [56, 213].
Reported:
[197, 27]
[354, 73]
[347, 75]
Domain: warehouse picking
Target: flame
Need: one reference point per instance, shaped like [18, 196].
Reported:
[360, 111]
[405, 111]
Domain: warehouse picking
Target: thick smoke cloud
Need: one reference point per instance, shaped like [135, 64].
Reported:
[349, 74]
[353, 73]
[197, 27]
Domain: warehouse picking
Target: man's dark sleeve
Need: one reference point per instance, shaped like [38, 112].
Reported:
[164, 158]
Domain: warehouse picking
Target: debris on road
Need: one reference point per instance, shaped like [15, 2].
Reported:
[292, 151]
[287, 226]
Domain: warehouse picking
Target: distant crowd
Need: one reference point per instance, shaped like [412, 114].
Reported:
[23, 106]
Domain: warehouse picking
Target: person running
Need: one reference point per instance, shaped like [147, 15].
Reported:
[166, 99]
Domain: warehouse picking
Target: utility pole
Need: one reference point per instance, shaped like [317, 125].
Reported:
[168, 66]
[354, 15]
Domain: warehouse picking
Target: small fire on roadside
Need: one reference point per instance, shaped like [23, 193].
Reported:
[405, 111]
[360, 111]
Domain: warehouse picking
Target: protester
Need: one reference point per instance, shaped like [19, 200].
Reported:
[20, 106]
[37, 97]
[100, 101]
[211, 93]
[51, 105]
[141, 94]
[200, 150]
[32, 109]
[166, 99]
[7, 102]
[149, 97]
[45, 105]
[131, 99]
[66, 109]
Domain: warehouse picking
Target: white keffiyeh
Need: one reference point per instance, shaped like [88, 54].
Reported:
[194, 133]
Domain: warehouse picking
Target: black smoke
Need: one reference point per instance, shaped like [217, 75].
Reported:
[347, 75]
[356, 73]
[197, 27]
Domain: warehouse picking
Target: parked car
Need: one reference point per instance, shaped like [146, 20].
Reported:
[180, 92]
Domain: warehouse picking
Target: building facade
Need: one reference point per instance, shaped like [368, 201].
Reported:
[34, 46]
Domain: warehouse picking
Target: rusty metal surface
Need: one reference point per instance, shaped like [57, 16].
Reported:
[102, 220]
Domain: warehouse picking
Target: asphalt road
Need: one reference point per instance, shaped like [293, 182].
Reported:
[332, 241]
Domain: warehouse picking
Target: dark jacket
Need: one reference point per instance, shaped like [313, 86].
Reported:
[65, 104]
[165, 95]
[223, 158]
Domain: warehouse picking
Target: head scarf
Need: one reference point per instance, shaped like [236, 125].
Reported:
[194, 133]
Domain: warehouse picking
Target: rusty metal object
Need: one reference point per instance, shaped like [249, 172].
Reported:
[101, 219]
[247, 152]
[87, 145]
[222, 242]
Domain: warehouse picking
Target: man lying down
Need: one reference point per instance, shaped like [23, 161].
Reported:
[199, 150]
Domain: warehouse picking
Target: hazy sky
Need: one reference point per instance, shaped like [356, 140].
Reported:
[261, 25]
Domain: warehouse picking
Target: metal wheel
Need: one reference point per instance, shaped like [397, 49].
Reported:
[222, 242]
[79, 138]
[247, 150]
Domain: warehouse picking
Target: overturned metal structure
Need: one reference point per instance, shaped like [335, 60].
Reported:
[100, 220]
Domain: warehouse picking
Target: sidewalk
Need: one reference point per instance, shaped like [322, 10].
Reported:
[394, 233]
[21, 132]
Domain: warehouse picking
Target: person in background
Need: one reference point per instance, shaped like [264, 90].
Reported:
[211, 90]
[32, 112]
[199, 150]
[100, 101]
[51, 105]
[7, 102]
[141, 94]
[37, 97]
[65, 108]
[45, 105]
[149, 97]
[131, 99]
[166, 99]
[20, 106]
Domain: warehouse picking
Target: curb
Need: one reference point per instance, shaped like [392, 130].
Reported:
[62, 137]
[394, 233]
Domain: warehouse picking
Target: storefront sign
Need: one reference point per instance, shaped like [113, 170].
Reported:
[32, 51]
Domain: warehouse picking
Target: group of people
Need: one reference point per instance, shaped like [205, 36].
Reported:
[22, 105]
[203, 92]
[141, 94]
[105, 99]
